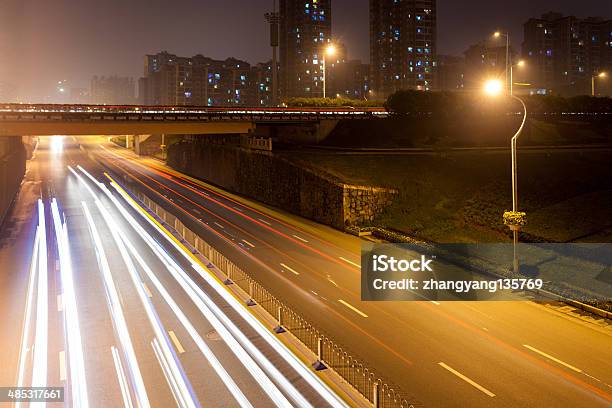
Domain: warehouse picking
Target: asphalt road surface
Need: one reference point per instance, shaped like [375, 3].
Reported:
[444, 354]
[95, 300]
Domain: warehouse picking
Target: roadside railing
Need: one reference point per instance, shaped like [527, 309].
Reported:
[329, 353]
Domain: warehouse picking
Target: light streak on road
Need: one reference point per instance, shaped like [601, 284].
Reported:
[209, 355]
[177, 393]
[200, 343]
[39, 369]
[72, 329]
[25, 334]
[272, 391]
[181, 388]
[118, 318]
[311, 378]
[123, 384]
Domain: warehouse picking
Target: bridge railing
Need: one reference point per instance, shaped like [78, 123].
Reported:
[329, 353]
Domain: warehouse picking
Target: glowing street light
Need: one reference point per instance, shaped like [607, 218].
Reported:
[520, 64]
[600, 75]
[330, 50]
[493, 87]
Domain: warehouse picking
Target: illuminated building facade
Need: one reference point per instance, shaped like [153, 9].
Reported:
[402, 45]
[305, 30]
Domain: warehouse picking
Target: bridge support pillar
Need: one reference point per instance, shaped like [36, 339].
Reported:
[129, 141]
[138, 143]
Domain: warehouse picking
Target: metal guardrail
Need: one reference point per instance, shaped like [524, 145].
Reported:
[329, 353]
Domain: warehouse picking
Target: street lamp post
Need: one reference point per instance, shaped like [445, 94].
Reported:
[513, 143]
[330, 50]
[498, 34]
[493, 87]
[518, 64]
[593, 77]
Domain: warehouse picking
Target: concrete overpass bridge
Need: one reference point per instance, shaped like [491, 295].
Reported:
[45, 119]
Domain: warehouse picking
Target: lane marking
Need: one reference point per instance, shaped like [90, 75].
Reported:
[556, 360]
[353, 308]
[264, 221]
[467, 380]
[289, 269]
[238, 209]
[332, 281]
[60, 303]
[219, 225]
[248, 243]
[300, 238]
[351, 262]
[146, 288]
[62, 365]
[177, 343]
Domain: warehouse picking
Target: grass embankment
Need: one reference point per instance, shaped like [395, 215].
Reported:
[460, 196]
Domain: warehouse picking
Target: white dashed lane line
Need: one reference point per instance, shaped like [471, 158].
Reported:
[466, 379]
[353, 308]
[556, 360]
[350, 262]
[264, 221]
[289, 269]
[300, 238]
[248, 243]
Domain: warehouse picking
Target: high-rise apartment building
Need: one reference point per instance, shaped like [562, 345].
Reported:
[305, 30]
[564, 52]
[198, 81]
[402, 45]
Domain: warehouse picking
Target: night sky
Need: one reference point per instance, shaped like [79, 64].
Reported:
[43, 41]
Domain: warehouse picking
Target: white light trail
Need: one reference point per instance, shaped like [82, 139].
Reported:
[25, 334]
[257, 373]
[123, 384]
[200, 343]
[117, 315]
[315, 382]
[170, 378]
[182, 388]
[39, 369]
[72, 329]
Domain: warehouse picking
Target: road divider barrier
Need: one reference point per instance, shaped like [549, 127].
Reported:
[381, 393]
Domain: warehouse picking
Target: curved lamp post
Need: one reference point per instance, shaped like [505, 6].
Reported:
[494, 87]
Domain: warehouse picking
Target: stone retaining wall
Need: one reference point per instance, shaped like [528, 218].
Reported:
[278, 182]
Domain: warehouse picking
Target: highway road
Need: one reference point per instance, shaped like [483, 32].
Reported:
[97, 301]
[445, 354]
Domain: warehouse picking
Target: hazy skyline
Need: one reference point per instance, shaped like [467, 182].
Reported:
[45, 41]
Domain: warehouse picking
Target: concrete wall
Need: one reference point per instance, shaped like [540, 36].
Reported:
[276, 181]
[12, 170]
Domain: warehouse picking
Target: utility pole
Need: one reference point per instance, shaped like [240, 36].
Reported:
[273, 19]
